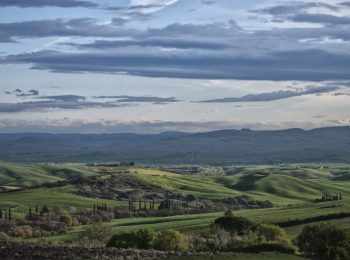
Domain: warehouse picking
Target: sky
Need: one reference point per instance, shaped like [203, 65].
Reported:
[150, 66]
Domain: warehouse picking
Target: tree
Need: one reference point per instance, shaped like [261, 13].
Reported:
[324, 241]
[234, 225]
[66, 219]
[145, 238]
[95, 235]
[229, 213]
[269, 232]
[44, 210]
[123, 240]
[142, 239]
[171, 240]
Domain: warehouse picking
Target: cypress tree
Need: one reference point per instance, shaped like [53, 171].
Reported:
[36, 209]
[10, 214]
[0, 213]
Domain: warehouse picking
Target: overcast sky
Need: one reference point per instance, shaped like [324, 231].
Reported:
[150, 66]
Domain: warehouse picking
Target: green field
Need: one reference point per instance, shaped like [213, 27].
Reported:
[12, 174]
[280, 188]
[291, 188]
[53, 197]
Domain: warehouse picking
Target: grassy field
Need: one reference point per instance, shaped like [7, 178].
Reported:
[292, 189]
[53, 197]
[280, 188]
[282, 185]
[12, 174]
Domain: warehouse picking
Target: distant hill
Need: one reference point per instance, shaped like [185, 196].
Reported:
[218, 147]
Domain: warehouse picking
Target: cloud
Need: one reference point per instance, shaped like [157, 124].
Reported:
[53, 102]
[320, 18]
[19, 93]
[84, 27]
[199, 51]
[64, 98]
[156, 42]
[208, 2]
[141, 99]
[47, 3]
[312, 65]
[271, 96]
[75, 102]
[301, 12]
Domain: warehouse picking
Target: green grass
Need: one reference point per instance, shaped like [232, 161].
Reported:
[261, 256]
[12, 174]
[291, 188]
[201, 222]
[52, 197]
[280, 188]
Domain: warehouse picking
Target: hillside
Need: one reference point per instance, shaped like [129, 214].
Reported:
[282, 185]
[219, 147]
[35, 174]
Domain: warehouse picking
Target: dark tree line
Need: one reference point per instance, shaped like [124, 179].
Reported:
[327, 197]
[6, 214]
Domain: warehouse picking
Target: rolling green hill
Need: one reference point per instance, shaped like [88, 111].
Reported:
[35, 174]
[304, 184]
[280, 189]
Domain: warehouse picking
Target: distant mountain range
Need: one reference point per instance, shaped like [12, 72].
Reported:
[218, 147]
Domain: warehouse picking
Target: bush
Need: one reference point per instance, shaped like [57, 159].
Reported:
[324, 241]
[142, 239]
[234, 225]
[4, 237]
[66, 219]
[95, 235]
[268, 232]
[171, 240]
[123, 240]
[145, 238]
[229, 213]
[20, 231]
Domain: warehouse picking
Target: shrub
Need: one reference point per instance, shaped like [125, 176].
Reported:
[123, 240]
[20, 231]
[4, 237]
[324, 241]
[229, 213]
[145, 238]
[95, 235]
[171, 240]
[66, 219]
[142, 239]
[268, 232]
[234, 225]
